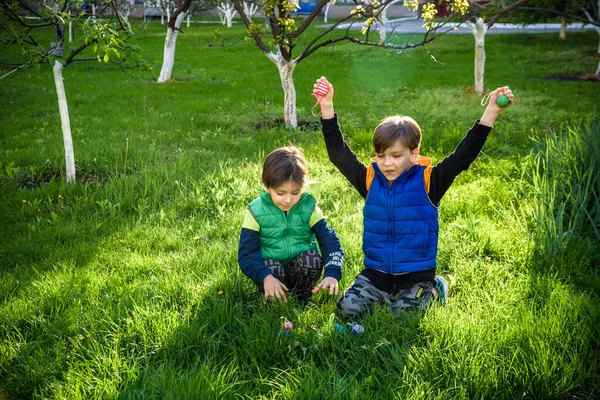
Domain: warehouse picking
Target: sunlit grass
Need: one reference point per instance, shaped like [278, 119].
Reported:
[126, 284]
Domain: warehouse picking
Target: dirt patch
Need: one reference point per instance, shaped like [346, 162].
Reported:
[52, 175]
[280, 123]
[575, 77]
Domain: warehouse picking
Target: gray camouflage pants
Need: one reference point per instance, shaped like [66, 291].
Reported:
[300, 275]
[362, 295]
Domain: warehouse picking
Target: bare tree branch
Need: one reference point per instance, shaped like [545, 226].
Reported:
[565, 14]
[505, 11]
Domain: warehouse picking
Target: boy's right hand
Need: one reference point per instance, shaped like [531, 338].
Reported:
[274, 288]
[327, 100]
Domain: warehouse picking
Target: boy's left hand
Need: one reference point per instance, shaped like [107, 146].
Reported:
[327, 283]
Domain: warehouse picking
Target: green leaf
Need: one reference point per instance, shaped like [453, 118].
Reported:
[106, 58]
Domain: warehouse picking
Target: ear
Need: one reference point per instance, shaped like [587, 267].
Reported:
[414, 155]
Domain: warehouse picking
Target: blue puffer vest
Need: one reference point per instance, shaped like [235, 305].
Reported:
[400, 224]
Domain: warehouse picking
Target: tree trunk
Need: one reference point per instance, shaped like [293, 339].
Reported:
[226, 14]
[383, 19]
[64, 121]
[250, 9]
[563, 29]
[479, 29]
[286, 71]
[125, 18]
[169, 53]
[187, 19]
[326, 11]
[71, 31]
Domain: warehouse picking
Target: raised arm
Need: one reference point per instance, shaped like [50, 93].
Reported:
[337, 149]
[444, 173]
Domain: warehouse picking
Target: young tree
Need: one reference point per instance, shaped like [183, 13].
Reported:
[226, 13]
[284, 34]
[478, 11]
[125, 8]
[250, 9]
[164, 6]
[382, 20]
[586, 11]
[544, 13]
[105, 41]
[173, 29]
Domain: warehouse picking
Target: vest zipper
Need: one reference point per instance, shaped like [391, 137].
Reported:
[288, 249]
[390, 228]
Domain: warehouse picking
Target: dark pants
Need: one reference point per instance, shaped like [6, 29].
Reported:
[300, 275]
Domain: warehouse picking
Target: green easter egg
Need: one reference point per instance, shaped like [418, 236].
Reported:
[502, 101]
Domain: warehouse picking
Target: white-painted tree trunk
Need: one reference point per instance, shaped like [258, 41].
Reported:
[169, 52]
[94, 9]
[591, 19]
[327, 6]
[383, 19]
[563, 29]
[162, 19]
[125, 17]
[187, 19]
[71, 31]
[64, 121]
[168, 11]
[250, 9]
[221, 16]
[286, 71]
[226, 13]
[479, 29]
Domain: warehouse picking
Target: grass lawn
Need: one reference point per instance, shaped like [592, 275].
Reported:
[126, 284]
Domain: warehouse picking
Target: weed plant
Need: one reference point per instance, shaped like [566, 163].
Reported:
[126, 284]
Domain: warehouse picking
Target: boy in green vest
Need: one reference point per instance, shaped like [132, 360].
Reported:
[278, 242]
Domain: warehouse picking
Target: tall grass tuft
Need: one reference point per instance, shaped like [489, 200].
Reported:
[565, 185]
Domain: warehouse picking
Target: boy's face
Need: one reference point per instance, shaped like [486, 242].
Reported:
[396, 160]
[286, 195]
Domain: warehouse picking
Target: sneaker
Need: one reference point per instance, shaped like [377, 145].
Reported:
[441, 287]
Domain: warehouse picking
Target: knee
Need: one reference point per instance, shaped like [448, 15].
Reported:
[349, 306]
[309, 259]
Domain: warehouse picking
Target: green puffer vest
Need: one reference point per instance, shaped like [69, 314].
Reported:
[283, 237]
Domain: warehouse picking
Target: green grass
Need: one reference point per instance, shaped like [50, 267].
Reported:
[126, 284]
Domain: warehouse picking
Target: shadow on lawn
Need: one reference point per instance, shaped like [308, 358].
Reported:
[233, 344]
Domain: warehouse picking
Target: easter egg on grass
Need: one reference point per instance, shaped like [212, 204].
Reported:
[502, 100]
[358, 329]
[287, 326]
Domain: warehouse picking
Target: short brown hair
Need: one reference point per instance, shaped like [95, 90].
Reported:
[398, 128]
[283, 164]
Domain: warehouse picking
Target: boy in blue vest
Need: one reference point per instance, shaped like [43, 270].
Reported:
[278, 243]
[402, 194]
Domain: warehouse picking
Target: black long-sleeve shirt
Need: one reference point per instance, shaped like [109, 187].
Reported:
[441, 175]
